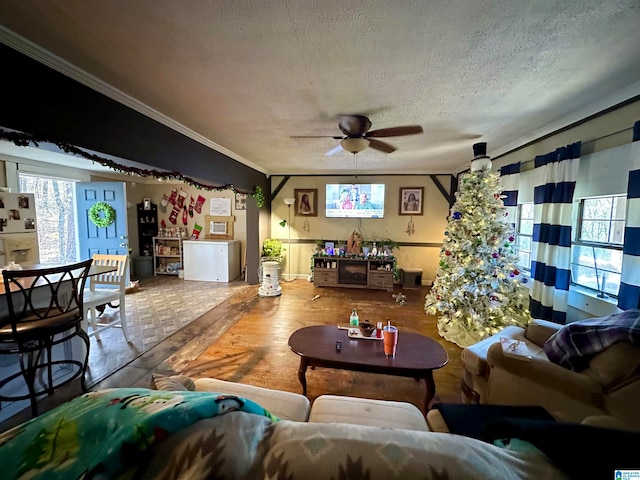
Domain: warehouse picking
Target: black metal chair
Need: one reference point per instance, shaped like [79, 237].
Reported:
[45, 315]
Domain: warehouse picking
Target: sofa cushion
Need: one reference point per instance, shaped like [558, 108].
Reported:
[226, 446]
[173, 382]
[618, 362]
[365, 411]
[474, 357]
[284, 405]
[338, 450]
[539, 331]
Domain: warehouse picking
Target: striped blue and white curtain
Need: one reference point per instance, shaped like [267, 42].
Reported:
[510, 179]
[551, 248]
[629, 293]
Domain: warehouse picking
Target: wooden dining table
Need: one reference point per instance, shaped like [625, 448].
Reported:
[94, 270]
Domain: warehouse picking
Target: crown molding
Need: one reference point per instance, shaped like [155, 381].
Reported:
[51, 60]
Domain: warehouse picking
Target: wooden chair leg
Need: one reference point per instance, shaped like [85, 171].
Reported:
[94, 323]
[123, 321]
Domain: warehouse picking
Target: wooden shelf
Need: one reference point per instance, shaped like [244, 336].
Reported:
[373, 273]
[147, 228]
[167, 263]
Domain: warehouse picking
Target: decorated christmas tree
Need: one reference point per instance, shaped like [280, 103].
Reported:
[478, 289]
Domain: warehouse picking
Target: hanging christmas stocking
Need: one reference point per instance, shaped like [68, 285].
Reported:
[181, 197]
[199, 204]
[163, 203]
[172, 197]
[191, 203]
[173, 217]
[196, 232]
[184, 215]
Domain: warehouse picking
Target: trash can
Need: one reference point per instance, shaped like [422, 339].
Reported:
[411, 277]
[143, 267]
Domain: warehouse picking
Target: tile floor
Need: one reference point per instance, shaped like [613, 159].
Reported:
[162, 306]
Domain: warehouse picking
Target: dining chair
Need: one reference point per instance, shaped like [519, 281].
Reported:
[44, 320]
[104, 289]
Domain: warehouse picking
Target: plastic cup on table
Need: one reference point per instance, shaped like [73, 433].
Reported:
[390, 339]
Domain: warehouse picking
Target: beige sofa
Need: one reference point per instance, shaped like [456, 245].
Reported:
[336, 437]
[349, 437]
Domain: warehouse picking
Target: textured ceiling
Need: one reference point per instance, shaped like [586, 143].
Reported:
[247, 75]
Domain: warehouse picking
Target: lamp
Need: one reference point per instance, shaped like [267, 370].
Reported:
[354, 145]
[289, 202]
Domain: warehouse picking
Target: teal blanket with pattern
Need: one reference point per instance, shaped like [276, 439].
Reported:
[101, 433]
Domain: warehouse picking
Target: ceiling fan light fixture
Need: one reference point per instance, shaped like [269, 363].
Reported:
[354, 145]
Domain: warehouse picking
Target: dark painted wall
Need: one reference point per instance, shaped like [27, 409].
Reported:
[36, 99]
[39, 100]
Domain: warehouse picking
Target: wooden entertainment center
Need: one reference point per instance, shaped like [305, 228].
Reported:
[353, 272]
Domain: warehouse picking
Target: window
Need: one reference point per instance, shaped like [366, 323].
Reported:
[524, 237]
[55, 215]
[596, 253]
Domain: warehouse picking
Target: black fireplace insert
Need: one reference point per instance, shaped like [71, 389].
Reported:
[352, 271]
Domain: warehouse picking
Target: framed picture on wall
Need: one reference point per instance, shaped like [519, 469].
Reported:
[306, 202]
[411, 200]
[241, 201]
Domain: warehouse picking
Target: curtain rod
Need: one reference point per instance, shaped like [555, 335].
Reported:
[577, 124]
[527, 162]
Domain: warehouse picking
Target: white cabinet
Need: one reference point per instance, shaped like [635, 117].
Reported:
[211, 260]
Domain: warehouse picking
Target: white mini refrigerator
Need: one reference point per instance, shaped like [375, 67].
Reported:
[211, 260]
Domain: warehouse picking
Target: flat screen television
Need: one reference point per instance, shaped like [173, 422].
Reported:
[355, 200]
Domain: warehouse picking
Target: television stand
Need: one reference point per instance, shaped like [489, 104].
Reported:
[353, 272]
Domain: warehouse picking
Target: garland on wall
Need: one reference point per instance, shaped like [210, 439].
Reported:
[24, 140]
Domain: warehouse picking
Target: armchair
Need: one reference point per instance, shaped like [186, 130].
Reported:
[474, 358]
[609, 386]
[606, 389]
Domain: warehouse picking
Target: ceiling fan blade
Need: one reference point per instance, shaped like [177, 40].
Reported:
[354, 125]
[381, 146]
[333, 151]
[318, 136]
[395, 131]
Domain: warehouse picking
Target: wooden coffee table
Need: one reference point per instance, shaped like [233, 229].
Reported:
[417, 356]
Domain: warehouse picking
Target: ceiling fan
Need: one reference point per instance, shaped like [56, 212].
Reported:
[357, 136]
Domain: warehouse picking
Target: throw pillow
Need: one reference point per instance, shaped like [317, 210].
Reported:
[173, 382]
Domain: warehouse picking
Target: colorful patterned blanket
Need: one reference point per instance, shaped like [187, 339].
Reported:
[103, 432]
[574, 344]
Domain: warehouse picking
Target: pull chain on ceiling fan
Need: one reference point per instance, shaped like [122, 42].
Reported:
[355, 157]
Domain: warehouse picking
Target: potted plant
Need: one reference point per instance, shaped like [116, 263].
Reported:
[388, 244]
[272, 250]
[366, 247]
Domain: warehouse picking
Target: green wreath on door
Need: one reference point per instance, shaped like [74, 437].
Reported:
[102, 214]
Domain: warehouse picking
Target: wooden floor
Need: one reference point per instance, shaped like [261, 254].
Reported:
[244, 339]
[254, 349]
